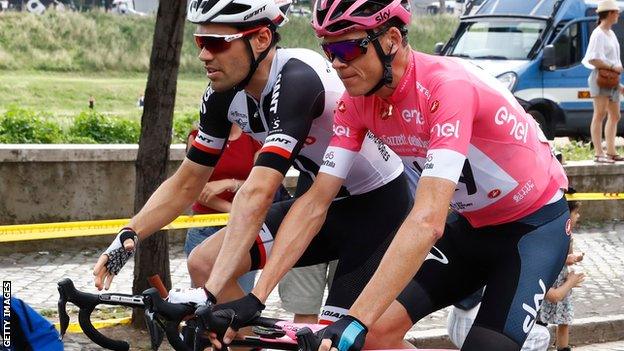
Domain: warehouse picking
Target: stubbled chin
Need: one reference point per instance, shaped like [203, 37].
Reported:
[354, 90]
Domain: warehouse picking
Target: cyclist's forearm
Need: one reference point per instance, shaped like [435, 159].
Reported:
[249, 210]
[408, 250]
[400, 263]
[217, 204]
[293, 238]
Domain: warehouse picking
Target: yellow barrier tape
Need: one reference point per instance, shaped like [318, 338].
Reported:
[595, 196]
[75, 327]
[22, 232]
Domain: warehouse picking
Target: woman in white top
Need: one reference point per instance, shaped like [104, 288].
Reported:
[603, 52]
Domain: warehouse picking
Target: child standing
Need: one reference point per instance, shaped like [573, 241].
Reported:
[557, 307]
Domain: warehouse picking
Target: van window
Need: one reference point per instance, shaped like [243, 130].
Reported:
[483, 39]
[568, 47]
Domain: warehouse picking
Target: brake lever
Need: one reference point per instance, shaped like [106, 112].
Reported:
[169, 316]
[62, 311]
[86, 303]
[155, 329]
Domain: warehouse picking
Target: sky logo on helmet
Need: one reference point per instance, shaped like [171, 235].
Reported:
[383, 16]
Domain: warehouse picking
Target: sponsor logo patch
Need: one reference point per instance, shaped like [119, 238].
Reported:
[494, 193]
[342, 107]
[529, 320]
[524, 191]
[446, 130]
[383, 16]
[434, 106]
[276, 93]
[386, 112]
[568, 227]
[519, 130]
[255, 13]
[409, 115]
[341, 130]
[327, 160]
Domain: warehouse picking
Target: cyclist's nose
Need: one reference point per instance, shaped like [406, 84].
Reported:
[205, 55]
[337, 64]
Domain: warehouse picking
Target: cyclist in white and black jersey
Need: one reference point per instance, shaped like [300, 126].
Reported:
[285, 99]
[293, 118]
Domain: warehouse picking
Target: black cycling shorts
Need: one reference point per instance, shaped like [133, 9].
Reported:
[357, 231]
[518, 262]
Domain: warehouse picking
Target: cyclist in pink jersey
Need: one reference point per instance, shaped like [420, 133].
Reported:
[475, 150]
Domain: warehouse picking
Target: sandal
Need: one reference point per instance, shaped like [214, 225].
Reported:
[616, 157]
[603, 159]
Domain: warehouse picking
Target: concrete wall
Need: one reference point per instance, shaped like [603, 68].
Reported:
[53, 183]
[585, 176]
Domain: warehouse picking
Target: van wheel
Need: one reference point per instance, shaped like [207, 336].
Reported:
[544, 124]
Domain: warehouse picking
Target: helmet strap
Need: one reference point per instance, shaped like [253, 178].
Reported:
[255, 62]
[386, 61]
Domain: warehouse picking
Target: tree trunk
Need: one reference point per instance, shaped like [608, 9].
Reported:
[156, 123]
[442, 7]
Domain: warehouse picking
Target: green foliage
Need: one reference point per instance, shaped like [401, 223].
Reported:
[105, 129]
[96, 41]
[26, 126]
[578, 150]
[21, 126]
[67, 93]
[183, 124]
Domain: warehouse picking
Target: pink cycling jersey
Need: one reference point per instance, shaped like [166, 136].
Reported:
[448, 119]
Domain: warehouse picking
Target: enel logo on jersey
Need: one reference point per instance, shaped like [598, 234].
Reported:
[519, 129]
[446, 130]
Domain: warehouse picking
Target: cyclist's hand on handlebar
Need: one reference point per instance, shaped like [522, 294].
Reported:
[229, 317]
[115, 257]
[346, 334]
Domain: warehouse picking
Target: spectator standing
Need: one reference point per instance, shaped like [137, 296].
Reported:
[557, 307]
[302, 290]
[603, 53]
[216, 197]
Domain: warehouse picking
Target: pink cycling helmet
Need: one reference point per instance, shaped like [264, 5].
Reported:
[336, 17]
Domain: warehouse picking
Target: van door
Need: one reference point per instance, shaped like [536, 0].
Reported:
[566, 85]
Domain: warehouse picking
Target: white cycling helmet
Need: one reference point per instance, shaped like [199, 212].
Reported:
[239, 12]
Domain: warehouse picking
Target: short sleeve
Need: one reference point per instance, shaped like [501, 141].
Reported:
[292, 107]
[214, 128]
[349, 133]
[596, 48]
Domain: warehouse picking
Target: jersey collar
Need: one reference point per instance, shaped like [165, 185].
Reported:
[404, 85]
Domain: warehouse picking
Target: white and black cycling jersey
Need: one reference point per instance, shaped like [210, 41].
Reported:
[294, 122]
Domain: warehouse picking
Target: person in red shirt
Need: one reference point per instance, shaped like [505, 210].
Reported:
[229, 175]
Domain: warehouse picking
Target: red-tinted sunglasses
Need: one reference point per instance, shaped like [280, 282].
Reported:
[216, 43]
[348, 50]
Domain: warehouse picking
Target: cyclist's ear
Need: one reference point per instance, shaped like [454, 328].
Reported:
[392, 40]
[263, 39]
